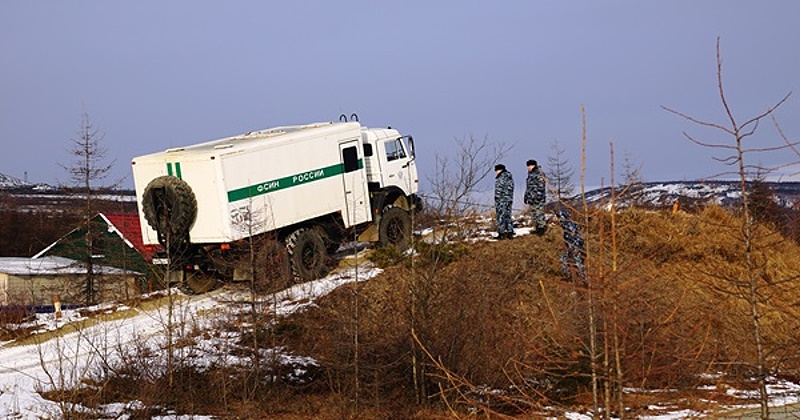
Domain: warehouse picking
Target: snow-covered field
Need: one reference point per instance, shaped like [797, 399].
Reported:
[63, 359]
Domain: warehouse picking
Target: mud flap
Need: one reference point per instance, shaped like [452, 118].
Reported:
[370, 234]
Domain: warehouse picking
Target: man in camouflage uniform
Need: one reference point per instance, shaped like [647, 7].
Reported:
[535, 196]
[503, 199]
[574, 252]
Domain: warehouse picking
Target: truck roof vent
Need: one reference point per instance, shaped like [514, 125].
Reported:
[313, 125]
[175, 149]
[265, 133]
[223, 146]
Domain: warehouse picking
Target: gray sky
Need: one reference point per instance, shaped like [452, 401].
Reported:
[159, 74]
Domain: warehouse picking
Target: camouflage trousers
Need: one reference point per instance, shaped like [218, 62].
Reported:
[504, 223]
[572, 265]
[537, 215]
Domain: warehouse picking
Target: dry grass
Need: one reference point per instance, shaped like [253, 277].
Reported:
[492, 328]
[501, 316]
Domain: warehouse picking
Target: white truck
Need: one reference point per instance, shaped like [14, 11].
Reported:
[308, 188]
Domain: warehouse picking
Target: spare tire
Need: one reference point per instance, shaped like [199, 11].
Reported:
[169, 206]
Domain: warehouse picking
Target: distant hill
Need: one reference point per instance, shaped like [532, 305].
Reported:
[724, 193]
[9, 182]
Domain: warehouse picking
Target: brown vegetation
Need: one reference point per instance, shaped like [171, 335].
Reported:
[502, 318]
[493, 328]
[30, 223]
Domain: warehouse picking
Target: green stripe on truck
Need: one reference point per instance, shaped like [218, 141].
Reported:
[287, 182]
[177, 170]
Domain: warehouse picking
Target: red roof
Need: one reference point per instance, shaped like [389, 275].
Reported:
[127, 224]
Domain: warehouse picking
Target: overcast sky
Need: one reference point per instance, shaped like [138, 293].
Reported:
[158, 74]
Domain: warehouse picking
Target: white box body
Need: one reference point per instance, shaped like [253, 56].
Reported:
[265, 180]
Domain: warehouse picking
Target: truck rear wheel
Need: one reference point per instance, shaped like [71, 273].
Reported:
[395, 228]
[307, 254]
[198, 283]
[169, 206]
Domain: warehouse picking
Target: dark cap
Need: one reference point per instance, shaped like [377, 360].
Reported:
[531, 162]
[499, 167]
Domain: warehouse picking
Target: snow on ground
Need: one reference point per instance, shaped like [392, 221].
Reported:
[64, 359]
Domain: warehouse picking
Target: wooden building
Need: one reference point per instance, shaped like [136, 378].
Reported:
[35, 282]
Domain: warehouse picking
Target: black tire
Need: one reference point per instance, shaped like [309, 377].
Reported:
[169, 206]
[307, 255]
[332, 241]
[395, 228]
[198, 283]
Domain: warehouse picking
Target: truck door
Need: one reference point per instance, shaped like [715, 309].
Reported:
[356, 200]
[397, 162]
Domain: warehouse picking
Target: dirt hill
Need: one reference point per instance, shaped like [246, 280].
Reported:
[496, 327]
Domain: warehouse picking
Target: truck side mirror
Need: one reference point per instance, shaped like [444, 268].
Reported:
[411, 146]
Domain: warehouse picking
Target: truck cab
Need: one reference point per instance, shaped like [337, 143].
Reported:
[389, 161]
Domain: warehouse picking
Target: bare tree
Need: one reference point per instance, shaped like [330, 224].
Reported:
[633, 187]
[454, 186]
[88, 167]
[753, 284]
[559, 173]
[454, 203]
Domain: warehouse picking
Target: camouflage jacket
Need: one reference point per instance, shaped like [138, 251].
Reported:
[504, 188]
[534, 187]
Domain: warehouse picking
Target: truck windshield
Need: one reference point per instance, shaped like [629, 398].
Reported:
[395, 149]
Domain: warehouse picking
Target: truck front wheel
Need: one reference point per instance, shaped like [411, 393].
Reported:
[307, 254]
[395, 228]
